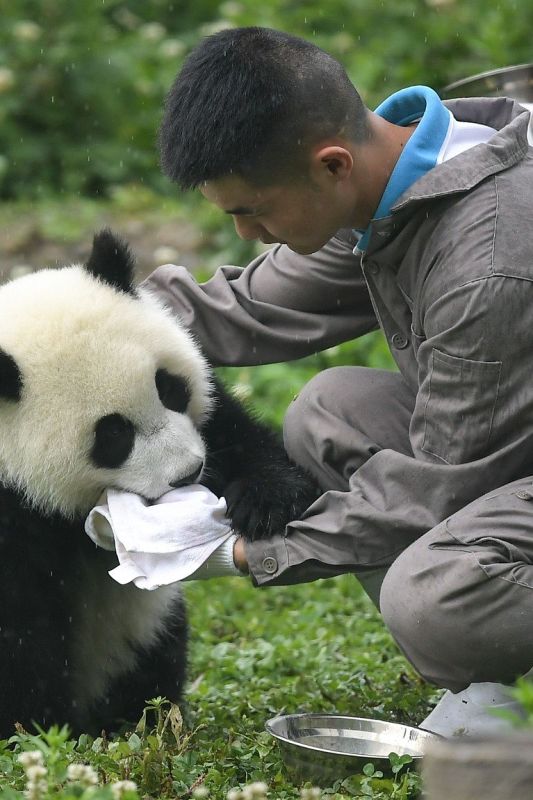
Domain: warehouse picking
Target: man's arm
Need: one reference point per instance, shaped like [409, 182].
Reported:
[280, 307]
[471, 432]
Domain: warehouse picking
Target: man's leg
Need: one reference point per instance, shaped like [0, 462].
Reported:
[339, 420]
[342, 417]
[459, 602]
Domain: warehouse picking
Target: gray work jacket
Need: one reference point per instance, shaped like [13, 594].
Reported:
[449, 278]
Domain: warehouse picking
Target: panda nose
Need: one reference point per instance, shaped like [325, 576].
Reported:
[188, 479]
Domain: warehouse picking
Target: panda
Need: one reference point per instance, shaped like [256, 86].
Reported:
[101, 386]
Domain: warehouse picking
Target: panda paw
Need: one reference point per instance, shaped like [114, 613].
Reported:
[261, 508]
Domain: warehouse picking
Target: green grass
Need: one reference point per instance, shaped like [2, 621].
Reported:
[314, 647]
[255, 653]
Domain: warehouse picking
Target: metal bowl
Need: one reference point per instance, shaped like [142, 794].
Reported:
[515, 82]
[326, 747]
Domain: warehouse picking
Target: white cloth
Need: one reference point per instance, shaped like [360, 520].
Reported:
[164, 542]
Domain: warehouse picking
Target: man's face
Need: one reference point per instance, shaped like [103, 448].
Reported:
[304, 216]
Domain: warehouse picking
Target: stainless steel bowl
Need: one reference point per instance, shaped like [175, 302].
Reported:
[325, 747]
[515, 82]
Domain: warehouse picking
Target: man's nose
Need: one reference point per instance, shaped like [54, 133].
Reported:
[247, 229]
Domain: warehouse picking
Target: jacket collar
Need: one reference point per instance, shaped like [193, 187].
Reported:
[460, 174]
[414, 104]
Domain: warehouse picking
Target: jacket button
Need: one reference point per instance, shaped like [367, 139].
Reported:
[270, 565]
[372, 267]
[399, 341]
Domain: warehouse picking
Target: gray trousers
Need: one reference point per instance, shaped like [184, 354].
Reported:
[459, 600]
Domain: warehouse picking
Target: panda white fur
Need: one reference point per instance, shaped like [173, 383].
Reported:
[101, 386]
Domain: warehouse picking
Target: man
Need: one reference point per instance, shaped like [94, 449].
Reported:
[416, 217]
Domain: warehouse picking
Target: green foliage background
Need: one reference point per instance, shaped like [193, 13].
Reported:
[81, 84]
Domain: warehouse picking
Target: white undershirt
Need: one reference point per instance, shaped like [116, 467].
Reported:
[462, 136]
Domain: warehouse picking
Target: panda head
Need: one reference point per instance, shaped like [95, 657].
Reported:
[99, 386]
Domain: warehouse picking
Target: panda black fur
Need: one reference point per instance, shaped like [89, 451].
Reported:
[100, 386]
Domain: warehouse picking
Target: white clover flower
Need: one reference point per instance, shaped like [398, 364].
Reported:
[74, 771]
[36, 772]
[82, 773]
[259, 789]
[255, 791]
[27, 31]
[35, 789]
[7, 79]
[234, 794]
[200, 792]
[30, 758]
[121, 787]
[311, 793]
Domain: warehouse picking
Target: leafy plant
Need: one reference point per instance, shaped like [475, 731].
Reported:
[82, 84]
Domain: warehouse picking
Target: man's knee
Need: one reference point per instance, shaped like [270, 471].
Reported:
[346, 414]
[301, 425]
[422, 611]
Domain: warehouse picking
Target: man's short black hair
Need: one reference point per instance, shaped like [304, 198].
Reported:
[250, 102]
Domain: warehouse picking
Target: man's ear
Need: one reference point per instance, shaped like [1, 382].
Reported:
[331, 162]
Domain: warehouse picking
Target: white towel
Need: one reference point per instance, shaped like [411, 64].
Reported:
[165, 542]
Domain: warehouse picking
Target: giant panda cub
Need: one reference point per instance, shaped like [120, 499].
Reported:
[100, 386]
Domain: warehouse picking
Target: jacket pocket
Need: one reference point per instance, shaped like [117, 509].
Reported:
[460, 406]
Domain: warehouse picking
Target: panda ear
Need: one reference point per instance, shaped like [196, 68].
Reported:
[10, 377]
[111, 261]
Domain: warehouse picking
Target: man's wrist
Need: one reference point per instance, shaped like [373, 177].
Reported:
[239, 556]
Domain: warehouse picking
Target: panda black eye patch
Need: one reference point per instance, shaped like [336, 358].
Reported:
[173, 390]
[113, 441]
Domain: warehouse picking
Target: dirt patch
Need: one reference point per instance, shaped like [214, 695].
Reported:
[26, 246]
